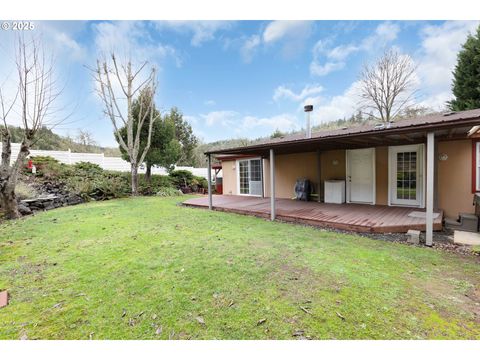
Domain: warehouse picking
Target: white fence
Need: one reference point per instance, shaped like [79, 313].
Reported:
[106, 162]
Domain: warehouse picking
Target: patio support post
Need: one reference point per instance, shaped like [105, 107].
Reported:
[430, 187]
[272, 185]
[319, 175]
[209, 181]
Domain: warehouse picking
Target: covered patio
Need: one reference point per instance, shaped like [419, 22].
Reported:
[350, 217]
[417, 139]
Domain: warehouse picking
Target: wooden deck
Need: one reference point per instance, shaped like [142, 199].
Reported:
[352, 217]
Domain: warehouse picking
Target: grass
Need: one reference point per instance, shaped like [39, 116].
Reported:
[146, 268]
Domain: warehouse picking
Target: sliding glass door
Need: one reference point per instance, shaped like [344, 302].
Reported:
[250, 177]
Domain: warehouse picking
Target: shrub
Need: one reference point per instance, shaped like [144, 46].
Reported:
[109, 186]
[102, 186]
[181, 178]
[200, 181]
[49, 167]
[156, 182]
[24, 191]
[168, 191]
[88, 168]
[41, 161]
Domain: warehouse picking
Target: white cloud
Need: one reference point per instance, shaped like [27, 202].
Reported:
[210, 103]
[132, 39]
[327, 59]
[437, 59]
[75, 50]
[224, 118]
[249, 48]
[234, 123]
[292, 34]
[341, 52]
[201, 31]
[280, 29]
[283, 92]
[282, 122]
[336, 107]
[325, 69]
[384, 33]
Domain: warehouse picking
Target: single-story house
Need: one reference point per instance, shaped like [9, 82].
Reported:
[393, 177]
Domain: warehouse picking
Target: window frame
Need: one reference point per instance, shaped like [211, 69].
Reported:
[248, 160]
[475, 166]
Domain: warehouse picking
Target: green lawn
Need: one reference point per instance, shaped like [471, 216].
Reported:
[146, 268]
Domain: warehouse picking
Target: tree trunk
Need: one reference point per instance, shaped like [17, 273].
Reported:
[148, 174]
[134, 172]
[8, 200]
[8, 176]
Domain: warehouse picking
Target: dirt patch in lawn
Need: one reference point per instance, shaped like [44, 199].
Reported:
[464, 295]
[299, 284]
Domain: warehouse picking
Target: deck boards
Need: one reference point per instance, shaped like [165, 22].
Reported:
[353, 217]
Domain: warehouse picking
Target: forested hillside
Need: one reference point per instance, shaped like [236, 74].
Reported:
[48, 140]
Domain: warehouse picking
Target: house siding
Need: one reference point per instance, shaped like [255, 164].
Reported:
[455, 177]
[229, 177]
[291, 167]
[381, 175]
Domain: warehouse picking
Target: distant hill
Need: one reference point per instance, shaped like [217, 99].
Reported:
[48, 140]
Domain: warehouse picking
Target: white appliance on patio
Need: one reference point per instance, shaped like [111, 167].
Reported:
[334, 191]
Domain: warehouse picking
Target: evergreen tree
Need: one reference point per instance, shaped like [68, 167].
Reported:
[165, 149]
[184, 135]
[277, 134]
[466, 76]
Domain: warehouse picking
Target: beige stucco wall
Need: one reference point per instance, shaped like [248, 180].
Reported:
[381, 175]
[293, 166]
[455, 177]
[454, 174]
[288, 169]
[229, 177]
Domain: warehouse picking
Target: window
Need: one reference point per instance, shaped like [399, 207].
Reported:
[407, 175]
[476, 166]
[244, 177]
[256, 170]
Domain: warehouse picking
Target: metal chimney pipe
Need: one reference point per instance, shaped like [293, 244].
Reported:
[308, 109]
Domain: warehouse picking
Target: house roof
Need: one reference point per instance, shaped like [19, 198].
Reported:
[404, 131]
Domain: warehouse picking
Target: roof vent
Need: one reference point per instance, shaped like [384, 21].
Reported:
[449, 113]
[345, 128]
[379, 126]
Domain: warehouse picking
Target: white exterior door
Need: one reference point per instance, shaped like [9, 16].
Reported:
[250, 177]
[361, 176]
[406, 175]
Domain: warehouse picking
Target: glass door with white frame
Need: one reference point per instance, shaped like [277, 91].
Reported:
[406, 175]
[250, 177]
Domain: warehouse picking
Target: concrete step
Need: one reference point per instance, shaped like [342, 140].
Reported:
[465, 222]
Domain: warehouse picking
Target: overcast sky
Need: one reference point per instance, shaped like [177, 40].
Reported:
[244, 78]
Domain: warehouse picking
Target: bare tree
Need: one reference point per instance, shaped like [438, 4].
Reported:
[85, 138]
[116, 85]
[387, 86]
[31, 105]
